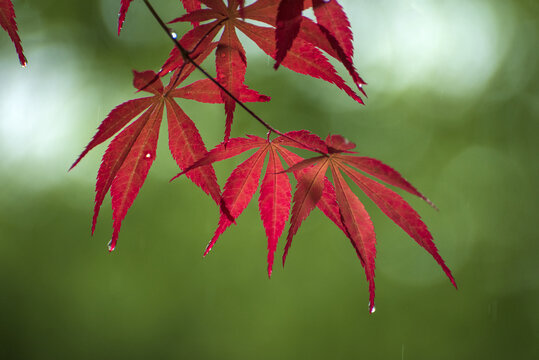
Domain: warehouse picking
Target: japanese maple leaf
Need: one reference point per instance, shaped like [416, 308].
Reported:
[358, 225]
[275, 190]
[131, 153]
[313, 189]
[331, 33]
[231, 64]
[7, 21]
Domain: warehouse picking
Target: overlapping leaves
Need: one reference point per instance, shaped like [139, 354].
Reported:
[298, 43]
[131, 153]
[292, 40]
[313, 189]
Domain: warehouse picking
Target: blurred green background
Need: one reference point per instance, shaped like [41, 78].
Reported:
[453, 105]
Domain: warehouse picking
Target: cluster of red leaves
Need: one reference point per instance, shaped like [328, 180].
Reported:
[295, 42]
[7, 21]
[313, 189]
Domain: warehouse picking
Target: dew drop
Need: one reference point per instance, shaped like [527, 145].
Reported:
[109, 246]
[373, 309]
[174, 35]
[148, 155]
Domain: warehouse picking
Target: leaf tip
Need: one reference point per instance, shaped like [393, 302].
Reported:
[175, 177]
[432, 205]
[372, 308]
[111, 245]
[452, 279]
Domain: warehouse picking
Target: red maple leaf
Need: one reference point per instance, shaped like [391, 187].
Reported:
[338, 202]
[331, 33]
[303, 56]
[356, 220]
[131, 153]
[7, 21]
[295, 42]
[275, 190]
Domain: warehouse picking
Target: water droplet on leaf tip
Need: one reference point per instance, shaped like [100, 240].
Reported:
[174, 35]
[109, 246]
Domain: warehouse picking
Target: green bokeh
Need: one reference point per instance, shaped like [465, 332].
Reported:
[466, 135]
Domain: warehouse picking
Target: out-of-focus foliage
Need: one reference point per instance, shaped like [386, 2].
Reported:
[452, 104]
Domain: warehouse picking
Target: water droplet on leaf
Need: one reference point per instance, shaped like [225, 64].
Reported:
[148, 155]
[174, 35]
[109, 246]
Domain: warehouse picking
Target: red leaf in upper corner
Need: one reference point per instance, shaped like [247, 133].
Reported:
[303, 56]
[7, 21]
[121, 15]
[288, 24]
[331, 33]
[334, 24]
